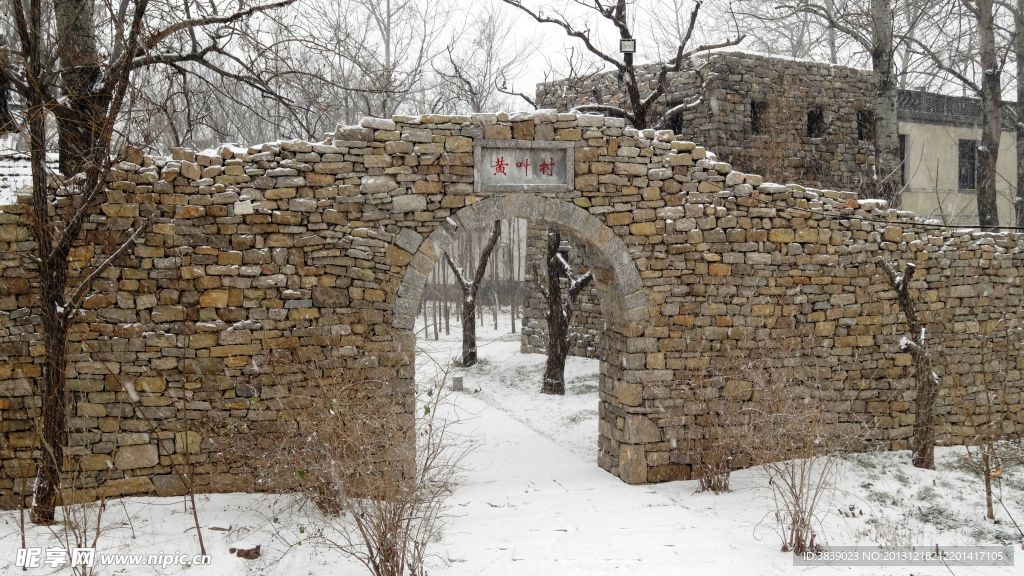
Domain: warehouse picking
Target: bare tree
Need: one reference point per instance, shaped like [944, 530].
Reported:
[73, 63]
[469, 287]
[641, 101]
[926, 381]
[559, 312]
[966, 52]
[391, 44]
[793, 33]
[301, 71]
[473, 72]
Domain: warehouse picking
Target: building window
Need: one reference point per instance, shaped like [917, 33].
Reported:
[903, 160]
[967, 164]
[865, 125]
[815, 122]
[675, 123]
[758, 114]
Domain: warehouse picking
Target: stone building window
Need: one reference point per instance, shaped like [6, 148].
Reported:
[865, 125]
[758, 115]
[967, 164]
[815, 122]
[675, 123]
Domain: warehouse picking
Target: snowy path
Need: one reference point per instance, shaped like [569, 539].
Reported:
[533, 500]
[533, 507]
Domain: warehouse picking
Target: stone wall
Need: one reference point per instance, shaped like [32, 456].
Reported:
[274, 265]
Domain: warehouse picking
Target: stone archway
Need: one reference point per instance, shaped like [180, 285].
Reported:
[617, 279]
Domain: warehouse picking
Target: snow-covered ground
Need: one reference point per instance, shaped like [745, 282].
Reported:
[533, 501]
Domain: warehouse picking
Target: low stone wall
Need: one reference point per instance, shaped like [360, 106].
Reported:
[275, 265]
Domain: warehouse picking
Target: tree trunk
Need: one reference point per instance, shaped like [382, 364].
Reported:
[511, 286]
[986, 470]
[886, 139]
[554, 366]
[558, 324]
[52, 283]
[991, 129]
[79, 119]
[468, 357]
[559, 314]
[425, 308]
[1018, 45]
[434, 314]
[922, 443]
[8, 124]
[470, 286]
[53, 398]
[495, 286]
[447, 302]
[833, 46]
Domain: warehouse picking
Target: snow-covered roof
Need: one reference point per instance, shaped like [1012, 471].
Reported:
[16, 173]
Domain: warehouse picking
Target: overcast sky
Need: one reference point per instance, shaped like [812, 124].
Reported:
[654, 23]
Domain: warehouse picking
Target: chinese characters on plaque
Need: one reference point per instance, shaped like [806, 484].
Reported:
[524, 166]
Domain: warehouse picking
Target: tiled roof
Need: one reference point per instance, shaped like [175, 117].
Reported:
[928, 107]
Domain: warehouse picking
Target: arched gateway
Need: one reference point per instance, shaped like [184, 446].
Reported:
[316, 253]
[618, 282]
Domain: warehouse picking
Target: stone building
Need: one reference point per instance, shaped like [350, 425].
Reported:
[789, 120]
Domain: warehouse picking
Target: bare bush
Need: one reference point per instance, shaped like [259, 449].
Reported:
[790, 434]
[715, 460]
[379, 475]
[993, 450]
[719, 450]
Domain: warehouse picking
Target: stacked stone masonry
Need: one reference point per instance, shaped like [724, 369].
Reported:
[306, 255]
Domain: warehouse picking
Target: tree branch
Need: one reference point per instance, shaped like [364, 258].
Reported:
[485, 256]
[154, 39]
[459, 275]
[570, 31]
[677, 62]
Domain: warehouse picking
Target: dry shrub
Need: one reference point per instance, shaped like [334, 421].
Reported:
[378, 473]
[720, 449]
[79, 516]
[764, 406]
[988, 412]
[715, 457]
[714, 443]
[796, 442]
